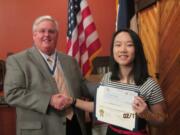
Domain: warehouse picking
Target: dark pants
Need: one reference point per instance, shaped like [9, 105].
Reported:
[73, 127]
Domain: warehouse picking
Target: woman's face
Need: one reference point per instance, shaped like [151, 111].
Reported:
[123, 49]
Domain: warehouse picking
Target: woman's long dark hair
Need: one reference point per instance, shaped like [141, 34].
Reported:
[140, 70]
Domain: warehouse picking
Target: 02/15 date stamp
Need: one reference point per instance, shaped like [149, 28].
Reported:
[129, 115]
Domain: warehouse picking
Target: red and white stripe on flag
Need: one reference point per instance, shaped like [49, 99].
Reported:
[82, 37]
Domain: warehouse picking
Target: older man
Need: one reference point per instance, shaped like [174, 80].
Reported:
[39, 80]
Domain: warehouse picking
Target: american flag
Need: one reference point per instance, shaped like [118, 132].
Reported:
[82, 37]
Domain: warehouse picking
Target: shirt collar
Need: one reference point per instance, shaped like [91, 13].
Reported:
[45, 56]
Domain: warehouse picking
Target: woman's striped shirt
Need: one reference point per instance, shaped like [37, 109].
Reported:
[149, 90]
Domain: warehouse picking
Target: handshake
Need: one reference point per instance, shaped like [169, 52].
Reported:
[60, 101]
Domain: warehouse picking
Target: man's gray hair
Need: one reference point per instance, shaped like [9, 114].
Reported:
[44, 18]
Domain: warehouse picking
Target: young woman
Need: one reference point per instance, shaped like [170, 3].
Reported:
[129, 71]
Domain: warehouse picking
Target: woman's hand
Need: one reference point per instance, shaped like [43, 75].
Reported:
[139, 105]
[155, 114]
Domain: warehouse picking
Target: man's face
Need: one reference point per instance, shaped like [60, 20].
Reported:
[45, 37]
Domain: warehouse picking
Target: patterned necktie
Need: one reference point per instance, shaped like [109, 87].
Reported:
[59, 78]
[62, 87]
[51, 64]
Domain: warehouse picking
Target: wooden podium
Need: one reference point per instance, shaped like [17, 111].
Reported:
[7, 118]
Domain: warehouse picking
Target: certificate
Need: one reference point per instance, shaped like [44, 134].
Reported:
[114, 106]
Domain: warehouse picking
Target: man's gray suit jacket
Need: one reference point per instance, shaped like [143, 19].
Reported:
[29, 87]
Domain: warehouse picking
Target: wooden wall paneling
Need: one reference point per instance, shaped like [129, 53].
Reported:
[169, 33]
[148, 31]
[160, 34]
[171, 88]
[170, 63]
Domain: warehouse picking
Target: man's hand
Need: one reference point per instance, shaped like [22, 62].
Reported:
[59, 101]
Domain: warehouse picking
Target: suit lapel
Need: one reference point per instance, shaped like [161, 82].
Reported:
[67, 74]
[41, 65]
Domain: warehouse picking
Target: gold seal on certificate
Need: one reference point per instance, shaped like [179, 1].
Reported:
[114, 106]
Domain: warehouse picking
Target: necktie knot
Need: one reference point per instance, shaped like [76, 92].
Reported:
[51, 64]
[49, 60]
